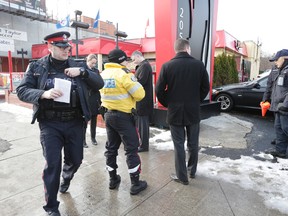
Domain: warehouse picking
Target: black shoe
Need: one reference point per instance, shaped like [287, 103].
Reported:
[142, 149]
[137, 188]
[192, 176]
[176, 179]
[114, 183]
[85, 145]
[94, 142]
[53, 213]
[275, 153]
[64, 186]
[273, 142]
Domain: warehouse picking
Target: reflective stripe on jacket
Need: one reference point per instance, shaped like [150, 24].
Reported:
[121, 89]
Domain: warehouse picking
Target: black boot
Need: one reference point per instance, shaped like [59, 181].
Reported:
[85, 144]
[64, 185]
[114, 179]
[84, 138]
[137, 185]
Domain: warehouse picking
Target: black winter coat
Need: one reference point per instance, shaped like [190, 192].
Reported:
[94, 98]
[271, 84]
[33, 84]
[145, 78]
[182, 84]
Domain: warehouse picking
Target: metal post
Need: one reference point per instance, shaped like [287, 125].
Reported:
[10, 67]
[117, 36]
[77, 42]
[22, 52]
[76, 32]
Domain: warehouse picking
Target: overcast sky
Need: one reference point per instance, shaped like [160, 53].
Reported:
[262, 21]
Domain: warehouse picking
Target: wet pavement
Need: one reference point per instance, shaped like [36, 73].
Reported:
[21, 164]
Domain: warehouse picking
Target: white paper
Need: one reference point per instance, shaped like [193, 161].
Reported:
[65, 87]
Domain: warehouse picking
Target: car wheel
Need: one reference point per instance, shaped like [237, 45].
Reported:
[226, 102]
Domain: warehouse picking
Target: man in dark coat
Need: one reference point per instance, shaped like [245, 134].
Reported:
[183, 83]
[145, 106]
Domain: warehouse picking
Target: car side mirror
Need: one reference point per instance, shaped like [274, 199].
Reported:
[257, 86]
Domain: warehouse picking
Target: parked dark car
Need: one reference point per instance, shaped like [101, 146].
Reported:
[245, 94]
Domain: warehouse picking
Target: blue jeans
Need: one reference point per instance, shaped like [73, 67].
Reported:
[281, 128]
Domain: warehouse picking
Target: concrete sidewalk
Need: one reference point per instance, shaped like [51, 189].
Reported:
[21, 165]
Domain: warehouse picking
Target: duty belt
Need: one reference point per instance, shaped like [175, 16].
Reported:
[63, 115]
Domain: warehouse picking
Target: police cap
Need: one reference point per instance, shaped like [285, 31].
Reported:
[117, 56]
[281, 53]
[59, 39]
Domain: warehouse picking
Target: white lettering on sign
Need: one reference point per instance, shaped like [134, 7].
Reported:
[181, 22]
[13, 34]
[7, 45]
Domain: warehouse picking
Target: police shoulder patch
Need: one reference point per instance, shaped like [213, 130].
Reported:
[133, 78]
[126, 70]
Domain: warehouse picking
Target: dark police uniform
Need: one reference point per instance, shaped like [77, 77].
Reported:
[279, 104]
[61, 124]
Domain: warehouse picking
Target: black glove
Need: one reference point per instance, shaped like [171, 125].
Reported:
[102, 110]
[282, 109]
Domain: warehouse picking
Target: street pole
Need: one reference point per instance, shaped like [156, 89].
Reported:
[78, 24]
[22, 52]
[117, 36]
[76, 32]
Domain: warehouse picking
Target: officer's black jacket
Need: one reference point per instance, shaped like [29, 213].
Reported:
[32, 86]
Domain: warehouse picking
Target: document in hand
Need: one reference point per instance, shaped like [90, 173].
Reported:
[65, 87]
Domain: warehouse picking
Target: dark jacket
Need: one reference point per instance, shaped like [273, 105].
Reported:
[182, 84]
[271, 84]
[33, 84]
[94, 98]
[145, 78]
[279, 97]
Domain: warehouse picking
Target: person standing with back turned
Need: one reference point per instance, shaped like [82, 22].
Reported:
[182, 84]
[61, 123]
[145, 106]
[119, 95]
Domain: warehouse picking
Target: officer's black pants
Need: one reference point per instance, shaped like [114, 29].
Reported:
[120, 127]
[54, 135]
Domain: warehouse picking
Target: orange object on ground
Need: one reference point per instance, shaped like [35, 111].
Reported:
[264, 107]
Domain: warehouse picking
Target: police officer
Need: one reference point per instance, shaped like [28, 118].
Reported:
[61, 123]
[119, 95]
[279, 104]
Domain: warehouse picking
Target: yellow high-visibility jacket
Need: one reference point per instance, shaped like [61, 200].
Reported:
[121, 90]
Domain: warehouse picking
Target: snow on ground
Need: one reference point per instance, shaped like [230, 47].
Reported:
[268, 179]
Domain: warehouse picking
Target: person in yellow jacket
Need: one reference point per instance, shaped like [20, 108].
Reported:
[119, 95]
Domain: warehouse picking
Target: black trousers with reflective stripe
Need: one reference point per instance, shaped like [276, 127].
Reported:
[121, 127]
